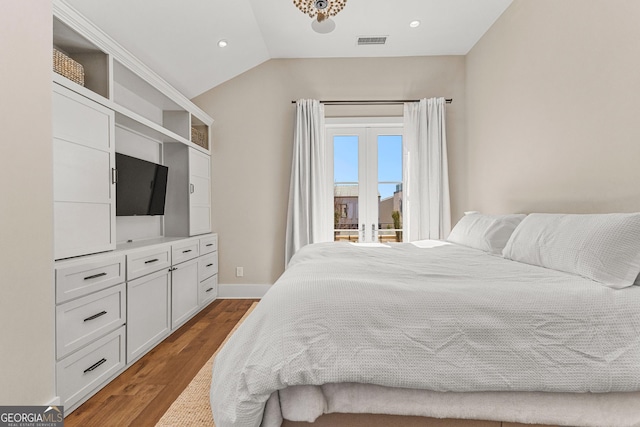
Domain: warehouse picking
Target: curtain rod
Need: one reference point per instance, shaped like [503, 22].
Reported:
[374, 102]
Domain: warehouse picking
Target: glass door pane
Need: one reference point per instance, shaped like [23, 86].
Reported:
[346, 189]
[389, 188]
[367, 183]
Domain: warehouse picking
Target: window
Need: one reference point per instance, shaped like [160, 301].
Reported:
[366, 167]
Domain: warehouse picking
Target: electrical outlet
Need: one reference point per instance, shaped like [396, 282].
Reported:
[239, 271]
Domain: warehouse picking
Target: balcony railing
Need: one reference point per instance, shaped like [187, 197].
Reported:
[351, 234]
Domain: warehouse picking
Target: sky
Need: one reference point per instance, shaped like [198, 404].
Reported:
[345, 166]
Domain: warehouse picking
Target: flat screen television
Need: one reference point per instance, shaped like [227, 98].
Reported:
[141, 186]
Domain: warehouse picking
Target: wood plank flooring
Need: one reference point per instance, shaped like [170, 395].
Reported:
[141, 395]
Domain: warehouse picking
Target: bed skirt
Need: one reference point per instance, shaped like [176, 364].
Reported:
[377, 420]
[307, 403]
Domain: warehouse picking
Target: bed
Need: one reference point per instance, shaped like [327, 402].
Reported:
[448, 328]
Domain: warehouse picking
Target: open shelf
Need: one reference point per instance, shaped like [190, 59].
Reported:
[94, 61]
[137, 95]
[142, 100]
[145, 126]
[199, 133]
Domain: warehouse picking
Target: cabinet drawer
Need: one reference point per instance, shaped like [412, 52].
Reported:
[82, 372]
[184, 251]
[77, 279]
[207, 266]
[208, 290]
[144, 262]
[81, 321]
[208, 244]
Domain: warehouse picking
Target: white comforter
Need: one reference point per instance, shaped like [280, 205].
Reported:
[439, 317]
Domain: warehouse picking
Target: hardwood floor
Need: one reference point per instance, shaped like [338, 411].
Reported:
[141, 395]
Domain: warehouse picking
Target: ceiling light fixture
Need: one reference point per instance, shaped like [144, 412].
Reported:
[223, 43]
[322, 10]
[414, 24]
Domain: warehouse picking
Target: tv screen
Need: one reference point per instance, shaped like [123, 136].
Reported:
[141, 186]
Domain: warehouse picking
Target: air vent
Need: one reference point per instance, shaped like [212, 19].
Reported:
[365, 41]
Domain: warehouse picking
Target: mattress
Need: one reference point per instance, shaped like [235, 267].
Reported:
[429, 316]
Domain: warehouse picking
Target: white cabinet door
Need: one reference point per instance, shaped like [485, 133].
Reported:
[184, 292]
[148, 307]
[83, 188]
[199, 192]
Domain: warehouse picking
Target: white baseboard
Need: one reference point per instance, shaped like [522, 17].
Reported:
[54, 402]
[235, 291]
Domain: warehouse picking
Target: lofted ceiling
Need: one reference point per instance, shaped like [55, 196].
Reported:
[178, 39]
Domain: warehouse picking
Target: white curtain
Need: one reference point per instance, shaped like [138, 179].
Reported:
[427, 210]
[309, 213]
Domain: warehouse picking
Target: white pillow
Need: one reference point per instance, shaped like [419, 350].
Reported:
[601, 247]
[489, 233]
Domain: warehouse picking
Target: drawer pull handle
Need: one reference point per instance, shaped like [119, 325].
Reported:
[209, 244]
[209, 290]
[152, 260]
[209, 265]
[95, 276]
[95, 365]
[95, 316]
[187, 251]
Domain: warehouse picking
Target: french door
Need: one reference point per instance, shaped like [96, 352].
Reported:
[367, 181]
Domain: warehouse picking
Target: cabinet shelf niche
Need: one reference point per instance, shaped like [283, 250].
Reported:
[94, 61]
[199, 133]
[137, 95]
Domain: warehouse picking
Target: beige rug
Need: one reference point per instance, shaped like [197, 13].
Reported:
[192, 407]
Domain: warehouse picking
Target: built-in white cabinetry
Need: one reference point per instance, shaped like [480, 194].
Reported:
[149, 298]
[184, 292]
[188, 207]
[83, 185]
[119, 91]
[208, 269]
[199, 193]
[141, 99]
[184, 281]
[143, 261]
[113, 308]
[84, 372]
[148, 308]
[83, 320]
[122, 286]
[75, 279]
[90, 319]
[185, 250]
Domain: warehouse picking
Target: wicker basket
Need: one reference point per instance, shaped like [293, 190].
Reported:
[67, 67]
[199, 137]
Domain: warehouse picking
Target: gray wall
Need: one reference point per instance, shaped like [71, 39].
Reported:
[553, 106]
[26, 205]
[253, 137]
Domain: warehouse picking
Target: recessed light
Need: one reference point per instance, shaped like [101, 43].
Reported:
[222, 43]
[414, 24]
